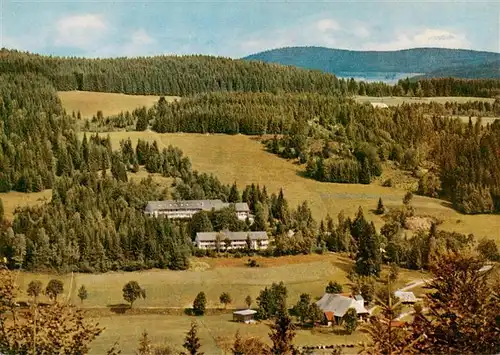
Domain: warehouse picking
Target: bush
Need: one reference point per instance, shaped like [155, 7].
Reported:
[252, 263]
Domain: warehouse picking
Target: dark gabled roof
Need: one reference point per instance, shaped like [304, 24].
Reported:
[211, 236]
[205, 205]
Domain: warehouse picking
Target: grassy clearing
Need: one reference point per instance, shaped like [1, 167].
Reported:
[13, 199]
[171, 330]
[109, 103]
[243, 159]
[167, 288]
[398, 100]
[177, 289]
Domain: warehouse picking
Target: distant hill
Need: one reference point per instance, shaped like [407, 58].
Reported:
[476, 71]
[337, 61]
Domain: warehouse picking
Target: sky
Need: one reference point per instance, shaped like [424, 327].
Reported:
[238, 28]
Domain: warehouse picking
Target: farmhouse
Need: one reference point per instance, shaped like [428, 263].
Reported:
[208, 240]
[335, 306]
[187, 208]
[244, 316]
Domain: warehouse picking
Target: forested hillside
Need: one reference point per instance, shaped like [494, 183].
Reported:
[167, 75]
[490, 70]
[340, 140]
[335, 61]
[34, 132]
[188, 75]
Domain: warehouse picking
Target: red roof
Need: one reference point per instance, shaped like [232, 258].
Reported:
[329, 316]
[397, 324]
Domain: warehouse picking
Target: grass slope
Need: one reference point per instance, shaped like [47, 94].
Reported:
[13, 199]
[171, 330]
[110, 104]
[164, 288]
[242, 159]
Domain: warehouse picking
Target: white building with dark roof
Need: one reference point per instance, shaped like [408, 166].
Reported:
[187, 208]
[208, 240]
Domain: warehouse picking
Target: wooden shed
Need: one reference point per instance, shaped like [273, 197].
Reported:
[244, 316]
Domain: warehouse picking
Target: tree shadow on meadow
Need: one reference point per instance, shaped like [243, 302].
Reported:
[119, 308]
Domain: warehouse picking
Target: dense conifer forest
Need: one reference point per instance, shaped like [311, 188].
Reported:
[187, 75]
[95, 220]
[340, 140]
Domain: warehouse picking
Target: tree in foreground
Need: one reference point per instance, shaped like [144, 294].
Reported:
[463, 311]
[82, 293]
[191, 341]
[199, 304]
[248, 301]
[333, 287]
[225, 299]
[132, 291]
[350, 320]
[145, 346]
[54, 329]
[34, 289]
[282, 333]
[54, 288]
[387, 338]
[248, 346]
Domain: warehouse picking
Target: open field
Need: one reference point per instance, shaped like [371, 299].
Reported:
[14, 199]
[243, 159]
[398, 100]
[171, 330]
[109, 103]
[177, 289]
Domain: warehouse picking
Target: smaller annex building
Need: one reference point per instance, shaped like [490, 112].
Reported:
[236, 240]
[406, 297]
[244, 316]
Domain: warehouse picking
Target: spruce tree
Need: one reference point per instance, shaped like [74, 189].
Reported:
[380, 207]
[282, 333]
[368, 257]
[191, 341]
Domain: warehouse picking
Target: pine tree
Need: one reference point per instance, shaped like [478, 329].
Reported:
[191, 341]
[145, 346]
[82, 293]
[368, 257]
[380, 207]
[234, 195]
[199, 304]
[282, 333]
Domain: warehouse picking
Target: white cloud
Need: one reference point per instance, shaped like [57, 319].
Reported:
[325, 25]
[141, 37]
[361, 32]
[140, 43]
[83, 31]
[424, 38]
[322, 32]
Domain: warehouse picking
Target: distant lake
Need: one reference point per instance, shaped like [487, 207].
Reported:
[386, 77]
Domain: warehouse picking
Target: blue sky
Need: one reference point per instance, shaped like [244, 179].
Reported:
[237, 28]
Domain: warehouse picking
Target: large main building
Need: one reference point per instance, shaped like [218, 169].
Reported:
[187, 208]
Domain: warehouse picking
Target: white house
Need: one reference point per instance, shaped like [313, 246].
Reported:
[335, 306]
[208, 240]
[379, 105]
[187, 208]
